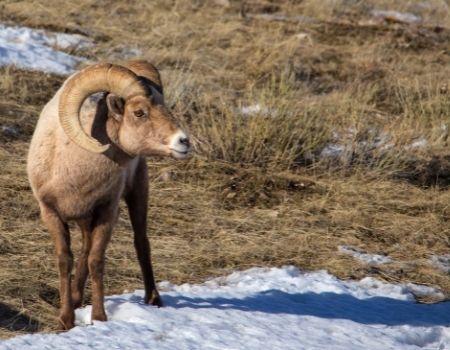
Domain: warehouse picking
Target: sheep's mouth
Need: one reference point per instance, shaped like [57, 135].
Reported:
[180, 154]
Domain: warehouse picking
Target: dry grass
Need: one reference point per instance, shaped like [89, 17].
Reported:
[259, 190]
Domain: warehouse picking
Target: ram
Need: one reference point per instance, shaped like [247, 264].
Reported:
[88, 153]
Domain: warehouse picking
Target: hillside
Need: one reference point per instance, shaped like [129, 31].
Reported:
[318, 130]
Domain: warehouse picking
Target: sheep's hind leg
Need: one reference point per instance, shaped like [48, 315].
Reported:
[59, 231]
[82, 270]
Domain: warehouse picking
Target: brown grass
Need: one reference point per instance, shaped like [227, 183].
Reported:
[258, 192]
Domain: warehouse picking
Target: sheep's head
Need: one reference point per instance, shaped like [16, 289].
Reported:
[145, 126]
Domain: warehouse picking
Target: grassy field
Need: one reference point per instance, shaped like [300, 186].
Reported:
[314, 126]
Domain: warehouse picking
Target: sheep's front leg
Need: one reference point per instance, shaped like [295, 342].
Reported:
[137, 201]
[82, 270]
[102, 225]
[60, 233]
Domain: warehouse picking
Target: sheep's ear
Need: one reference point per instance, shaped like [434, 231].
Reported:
[116, 106]
[157, 97]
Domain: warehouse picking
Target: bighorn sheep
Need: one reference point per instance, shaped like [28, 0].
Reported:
[87, 155]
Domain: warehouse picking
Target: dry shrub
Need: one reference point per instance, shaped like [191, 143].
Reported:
[265, 127]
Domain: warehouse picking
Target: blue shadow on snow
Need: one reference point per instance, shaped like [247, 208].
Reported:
[375, 310]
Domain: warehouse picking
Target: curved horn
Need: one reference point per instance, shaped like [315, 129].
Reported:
[100, 77]
[145, 69]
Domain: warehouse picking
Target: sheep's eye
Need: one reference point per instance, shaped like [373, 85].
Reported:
[139, 113]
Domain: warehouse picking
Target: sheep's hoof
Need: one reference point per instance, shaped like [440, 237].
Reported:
[153, 298]
[66, 321]
[99, 316]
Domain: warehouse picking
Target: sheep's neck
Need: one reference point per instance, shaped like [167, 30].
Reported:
[106, 130]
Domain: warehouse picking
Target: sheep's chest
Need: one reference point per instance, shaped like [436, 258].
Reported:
[78, 196]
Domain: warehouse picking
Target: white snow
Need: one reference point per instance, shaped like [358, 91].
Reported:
[368, 258]
[33, 49]
[282, 18]
[346, 143]
[420, 143]
[442, 262]
[254, 109]
[269, 308]
[332, 151]
[405, 17]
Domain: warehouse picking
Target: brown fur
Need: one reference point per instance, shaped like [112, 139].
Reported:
[71, 183]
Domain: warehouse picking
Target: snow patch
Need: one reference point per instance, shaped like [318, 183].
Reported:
[347, 143]
[254, 110]
[420, 143]
[36, 49]
[332, 151]
[405, 17]
[442, 262]
[282, 18]
[270, 308]
[10, 131]
[368, 258]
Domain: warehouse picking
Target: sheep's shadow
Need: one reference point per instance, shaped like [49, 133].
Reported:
[12, 319]
[375, 310]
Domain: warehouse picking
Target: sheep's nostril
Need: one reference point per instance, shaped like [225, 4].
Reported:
[185, 141]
